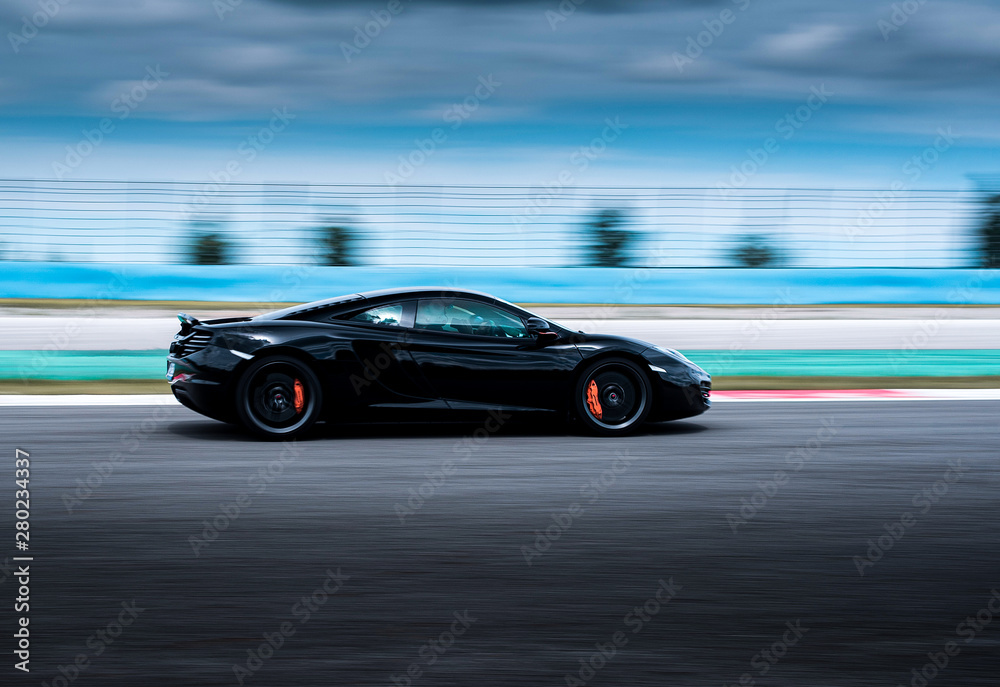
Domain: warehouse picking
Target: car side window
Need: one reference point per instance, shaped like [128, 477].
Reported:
[468, 317]
[391, 315]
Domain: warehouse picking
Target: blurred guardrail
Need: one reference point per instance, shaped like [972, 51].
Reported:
[515, 226]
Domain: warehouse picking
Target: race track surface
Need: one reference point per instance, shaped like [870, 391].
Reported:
[773, 594]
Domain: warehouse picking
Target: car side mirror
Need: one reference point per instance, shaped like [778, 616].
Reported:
[541, 330]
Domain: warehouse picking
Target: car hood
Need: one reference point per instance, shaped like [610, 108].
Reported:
[609, 340]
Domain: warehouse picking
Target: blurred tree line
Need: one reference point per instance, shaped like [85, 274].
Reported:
[335, 243]
[989, 233]
[208, 245]
[607, 241]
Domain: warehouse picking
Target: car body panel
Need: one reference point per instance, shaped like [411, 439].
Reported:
[513, 373]
[365, 366]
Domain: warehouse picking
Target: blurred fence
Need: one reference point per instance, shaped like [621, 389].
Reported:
[178, 222]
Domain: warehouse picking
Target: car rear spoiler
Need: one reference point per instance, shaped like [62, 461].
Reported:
[187, 322]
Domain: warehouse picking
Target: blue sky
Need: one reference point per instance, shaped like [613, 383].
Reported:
[897, 74]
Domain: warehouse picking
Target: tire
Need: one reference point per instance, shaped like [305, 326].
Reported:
[268, 403]
[612, 397]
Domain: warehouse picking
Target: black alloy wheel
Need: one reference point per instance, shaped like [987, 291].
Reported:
[613, 397]
[278, 397]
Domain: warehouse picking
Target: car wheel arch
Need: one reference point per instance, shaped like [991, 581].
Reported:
[269, 351]
[610, 354]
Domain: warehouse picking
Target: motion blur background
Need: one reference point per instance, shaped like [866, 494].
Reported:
[508, 133]
[236, 154]
[802, 197]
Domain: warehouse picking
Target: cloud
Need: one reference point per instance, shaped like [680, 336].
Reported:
[804, 41]
[606, 57]
[615, 6]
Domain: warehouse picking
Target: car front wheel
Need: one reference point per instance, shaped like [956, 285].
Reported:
[613, 397]
[278, 397]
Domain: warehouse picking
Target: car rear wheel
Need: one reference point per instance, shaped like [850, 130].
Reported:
[278, 397]
[613, 397]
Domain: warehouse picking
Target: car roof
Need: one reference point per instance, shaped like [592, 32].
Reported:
[429, 291]
[380, 294]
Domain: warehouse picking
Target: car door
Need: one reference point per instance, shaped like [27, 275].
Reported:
[383, 373]
[477, 354]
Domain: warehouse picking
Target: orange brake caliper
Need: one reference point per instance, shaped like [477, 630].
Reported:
[593, 402]
[300, 397]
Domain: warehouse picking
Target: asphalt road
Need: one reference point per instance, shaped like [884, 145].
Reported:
[664, 507]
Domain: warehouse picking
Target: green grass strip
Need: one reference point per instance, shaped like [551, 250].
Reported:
[850, 363]
[92, 365]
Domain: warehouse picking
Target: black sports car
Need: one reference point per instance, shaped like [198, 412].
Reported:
[408, 350]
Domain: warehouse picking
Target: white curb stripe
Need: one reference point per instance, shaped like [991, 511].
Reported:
[818, 395]
[17, 401]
